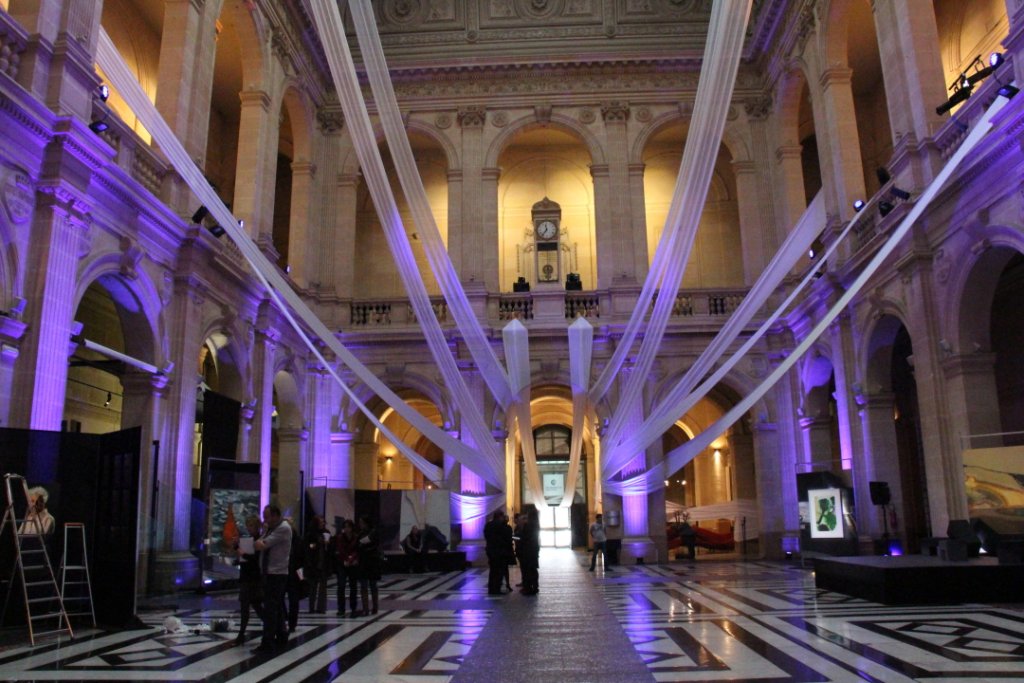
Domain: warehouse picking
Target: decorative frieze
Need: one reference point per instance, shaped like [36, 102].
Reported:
[472, 117]
[615, 112]
[330, 119]
[758, 108]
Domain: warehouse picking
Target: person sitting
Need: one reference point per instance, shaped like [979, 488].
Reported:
[415, 546]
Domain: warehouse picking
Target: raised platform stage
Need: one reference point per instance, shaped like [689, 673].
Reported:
[921, 579]
[447, 561]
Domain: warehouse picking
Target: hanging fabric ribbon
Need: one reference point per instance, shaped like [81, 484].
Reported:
[714, 93]
[517, 357]
[581, 348]
[357, 120]
[468, 508]
[682, 397]
[680, 456]
[281, 293]
[412, 186]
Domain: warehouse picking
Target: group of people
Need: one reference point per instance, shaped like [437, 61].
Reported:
[506, 546]
[281, 564]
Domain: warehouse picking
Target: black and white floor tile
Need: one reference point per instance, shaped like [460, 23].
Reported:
[707, 621]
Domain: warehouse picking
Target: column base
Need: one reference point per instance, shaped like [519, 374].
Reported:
[172, 572]
[639, 550]
[476, 552]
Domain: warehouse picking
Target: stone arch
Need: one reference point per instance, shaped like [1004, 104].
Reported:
[451, 154]
[732, 138]
[558, 122]
[300, 113]
[816, 375]
[225, 338]
[833, 32]
[787, 102]
[974, 280]
[253, 39]
[876, 354]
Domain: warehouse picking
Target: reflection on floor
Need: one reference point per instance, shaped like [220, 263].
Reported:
[710, 621]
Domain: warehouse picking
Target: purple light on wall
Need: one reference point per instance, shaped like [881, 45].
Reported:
[472, 526]
[634, 510]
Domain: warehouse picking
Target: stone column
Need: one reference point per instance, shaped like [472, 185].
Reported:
[59, 229]
[264, 348]
[791, 197]
[456, 229]
[842, 170]
[257, 165]
[12, 330]
[302, 240]
[638, 221]
[478, 229]
[342, 473]
[914, 87]
[604, 228]
[317, 409]
[843, 363]
[755, 252]
[971, 394]
[1014, 42]
[290, 442]
[817, 437]
[482, 275]
[776, 492]
[341, 272]
[616, 235]
[881, 460]
[57, 66]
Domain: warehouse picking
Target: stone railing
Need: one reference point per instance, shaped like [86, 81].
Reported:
[132, 155]
[714, 302]
[13, 41]
[515, 307]
[582, 305]
[392, 313]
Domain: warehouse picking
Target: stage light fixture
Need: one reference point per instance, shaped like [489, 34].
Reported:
[1008, 91]
[99, 125]
[882, 173]
[995, 59]
[104, 92]
[898, 193]
[884, 208]
[858, 204]
[216, 230]
[959, 95]
[817, 246]
[200, 214]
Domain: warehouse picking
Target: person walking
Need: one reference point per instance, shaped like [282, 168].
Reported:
[275, 544]
[600, 539]
[346, 553]
[369, 564]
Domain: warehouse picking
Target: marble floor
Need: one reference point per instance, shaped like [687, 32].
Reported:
[707, 621]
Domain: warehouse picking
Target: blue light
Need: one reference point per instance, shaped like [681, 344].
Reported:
[858, 204]
[104, 92]
[995, 59]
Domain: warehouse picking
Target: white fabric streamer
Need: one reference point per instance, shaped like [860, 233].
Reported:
[714, 92]
[682, 397]
[689, 450]
[357, 120]
[517, 357]
[278, 289]
[468, 508]
[581, 348]
[412, 186]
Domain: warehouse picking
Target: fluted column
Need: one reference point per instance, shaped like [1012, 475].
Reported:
[257, 165]
[881, 456]
[638, 222]
[751, 229]
[791, 197]
[817, 437]
[291, 441]
[264, 348]
[342, 271]
[456, 228]
[843, 363]
[478, 227]
[59, 228]
[342, 472]
[616, 235]
[602, 207]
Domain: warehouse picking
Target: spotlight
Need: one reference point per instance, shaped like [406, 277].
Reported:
[959, 95]
[216, 230]
[99, 125]
[103, 91]
[1008, 91]
[884, 208]
[817, 246]
[995, 59]
[858, 204]
[899, 194]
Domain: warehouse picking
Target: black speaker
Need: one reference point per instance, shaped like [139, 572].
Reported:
[880, 494]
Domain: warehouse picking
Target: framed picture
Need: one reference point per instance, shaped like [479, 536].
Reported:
[825, 510]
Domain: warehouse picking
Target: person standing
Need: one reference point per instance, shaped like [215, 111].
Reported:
[316, 565]
[508, 550]
[369, 563]
[600, 539]
[496, 559]
[250, 589]
[296, 588]
[529, 553]
[346, 552]
[276, 545]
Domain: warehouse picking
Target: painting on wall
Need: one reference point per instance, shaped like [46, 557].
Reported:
[826, 513]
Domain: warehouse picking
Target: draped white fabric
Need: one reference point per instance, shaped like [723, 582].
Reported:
[278, 289]
[490, 461]
[517, 357]
[581, 348]
[412, 186]
[689, 450]
[714, 93]
[469, 508]
[682, 397]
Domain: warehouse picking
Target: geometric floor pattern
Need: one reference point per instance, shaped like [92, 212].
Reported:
[705, 621]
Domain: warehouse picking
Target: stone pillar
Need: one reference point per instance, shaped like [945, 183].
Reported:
[914, 86]
[755, 252]
[971, 394]
[456, 229]
[257, 165]
[776, 492]
[638, 221]
[57, 66]
[817, 438]
[842, 170]
[843, 363]
[606, 261]
[319, 465]
[616, 237]
[59, 227]
[881, 460]
[1014, 42]
[12, 330]
[342, 473]
[792, 199]
[302, 240]
[478, 229]
[366, 473]
[290, 442]
[482, 274]
[264, 348]
[341, 273]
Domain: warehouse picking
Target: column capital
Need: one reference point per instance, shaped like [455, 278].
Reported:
[330, 119]
[758, 108]
[599, 170]
[786, 152]
[835, 75]
[615, 112]
[979, 363]
[637, 169]
[491, 174]
[253, 98]
[472, 117]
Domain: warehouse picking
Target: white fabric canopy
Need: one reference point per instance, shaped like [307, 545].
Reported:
[581, 348]
[517, 357]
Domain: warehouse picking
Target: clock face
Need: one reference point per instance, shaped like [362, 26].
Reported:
[547, 230]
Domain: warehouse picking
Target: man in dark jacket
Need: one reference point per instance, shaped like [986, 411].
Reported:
[496, 556]
[276, 546]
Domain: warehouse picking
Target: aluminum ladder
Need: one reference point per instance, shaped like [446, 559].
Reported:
[74, 574]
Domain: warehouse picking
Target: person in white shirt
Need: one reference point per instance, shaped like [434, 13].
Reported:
[38, 520]
[599, 538]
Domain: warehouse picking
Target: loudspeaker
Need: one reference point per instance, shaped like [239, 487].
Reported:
[880, 494]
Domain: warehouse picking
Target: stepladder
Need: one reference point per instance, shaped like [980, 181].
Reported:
[75, 583]
[32, 572]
